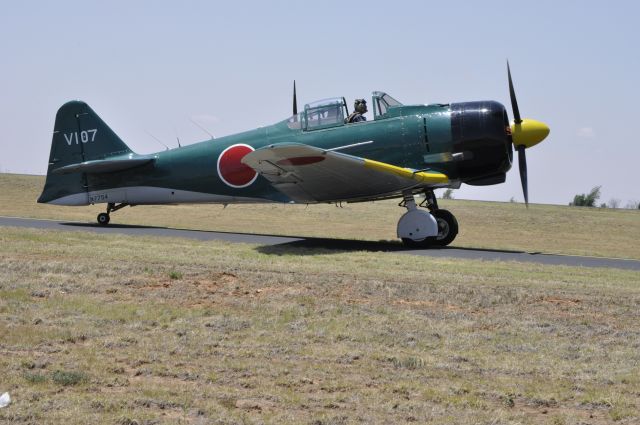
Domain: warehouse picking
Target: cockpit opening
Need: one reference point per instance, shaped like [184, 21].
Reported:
[332, 112]
[320, 114]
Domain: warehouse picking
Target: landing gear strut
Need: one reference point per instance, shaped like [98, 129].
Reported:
[421, 229]
[104, 218]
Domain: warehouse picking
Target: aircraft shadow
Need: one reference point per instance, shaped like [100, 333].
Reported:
[314, 246]
[302, 245]
[115, 226]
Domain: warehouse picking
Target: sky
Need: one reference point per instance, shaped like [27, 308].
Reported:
[150, 68]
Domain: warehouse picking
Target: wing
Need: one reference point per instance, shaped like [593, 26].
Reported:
[308, 174]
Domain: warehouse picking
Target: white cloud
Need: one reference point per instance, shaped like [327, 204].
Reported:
[586, 133]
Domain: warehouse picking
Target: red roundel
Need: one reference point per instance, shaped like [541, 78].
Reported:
[233, 172]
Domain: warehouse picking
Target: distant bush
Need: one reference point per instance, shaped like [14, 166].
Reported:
[632, 205]
[448, 194]
[587, 200]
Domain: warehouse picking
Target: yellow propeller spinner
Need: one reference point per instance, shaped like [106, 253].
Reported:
[528, 132]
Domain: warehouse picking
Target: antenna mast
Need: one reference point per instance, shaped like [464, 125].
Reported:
[202, 128]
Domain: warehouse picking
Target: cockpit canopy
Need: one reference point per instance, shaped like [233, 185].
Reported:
[333, 112]
[325, 113]
[381, 104]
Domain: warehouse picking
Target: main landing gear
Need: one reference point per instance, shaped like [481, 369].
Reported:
[104, 218]
[421, 229]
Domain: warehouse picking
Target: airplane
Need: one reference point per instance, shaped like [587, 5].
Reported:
[314, 156]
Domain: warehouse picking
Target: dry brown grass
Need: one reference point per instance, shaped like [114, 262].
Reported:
[115, 329]
[541, 228]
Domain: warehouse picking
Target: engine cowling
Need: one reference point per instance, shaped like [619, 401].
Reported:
[481, 138]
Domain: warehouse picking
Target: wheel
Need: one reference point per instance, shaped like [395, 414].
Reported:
[103, 219]
[447, 228]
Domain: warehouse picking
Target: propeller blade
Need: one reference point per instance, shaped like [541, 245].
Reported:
[514, 102]
[295, 100]
[522, 162]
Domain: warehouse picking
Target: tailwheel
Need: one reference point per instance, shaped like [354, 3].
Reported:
[447, 227]
[103, 219]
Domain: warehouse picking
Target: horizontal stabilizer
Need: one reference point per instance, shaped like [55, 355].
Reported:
[104, 165]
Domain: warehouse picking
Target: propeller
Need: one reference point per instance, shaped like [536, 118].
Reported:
[522, 156]
[295, 100]
[512, 94]
[525, 133]
[522, 164]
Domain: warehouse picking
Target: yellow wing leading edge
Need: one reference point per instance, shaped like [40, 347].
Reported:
[427, 177]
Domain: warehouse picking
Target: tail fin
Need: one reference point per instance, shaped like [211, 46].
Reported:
[79, 135]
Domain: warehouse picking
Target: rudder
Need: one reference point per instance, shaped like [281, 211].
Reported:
[79, 135]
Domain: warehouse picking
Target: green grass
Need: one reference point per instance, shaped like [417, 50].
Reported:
[94, 329]
[67, 378]
[494, 225]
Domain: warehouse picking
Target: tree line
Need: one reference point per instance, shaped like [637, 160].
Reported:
[591, 199]
[581, 200]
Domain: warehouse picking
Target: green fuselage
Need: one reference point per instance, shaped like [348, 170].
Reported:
[397, 140]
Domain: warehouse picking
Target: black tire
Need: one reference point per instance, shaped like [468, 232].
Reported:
[103, 219]
[447, 228]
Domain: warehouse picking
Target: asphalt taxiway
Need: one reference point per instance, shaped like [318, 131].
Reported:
[291, 244]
